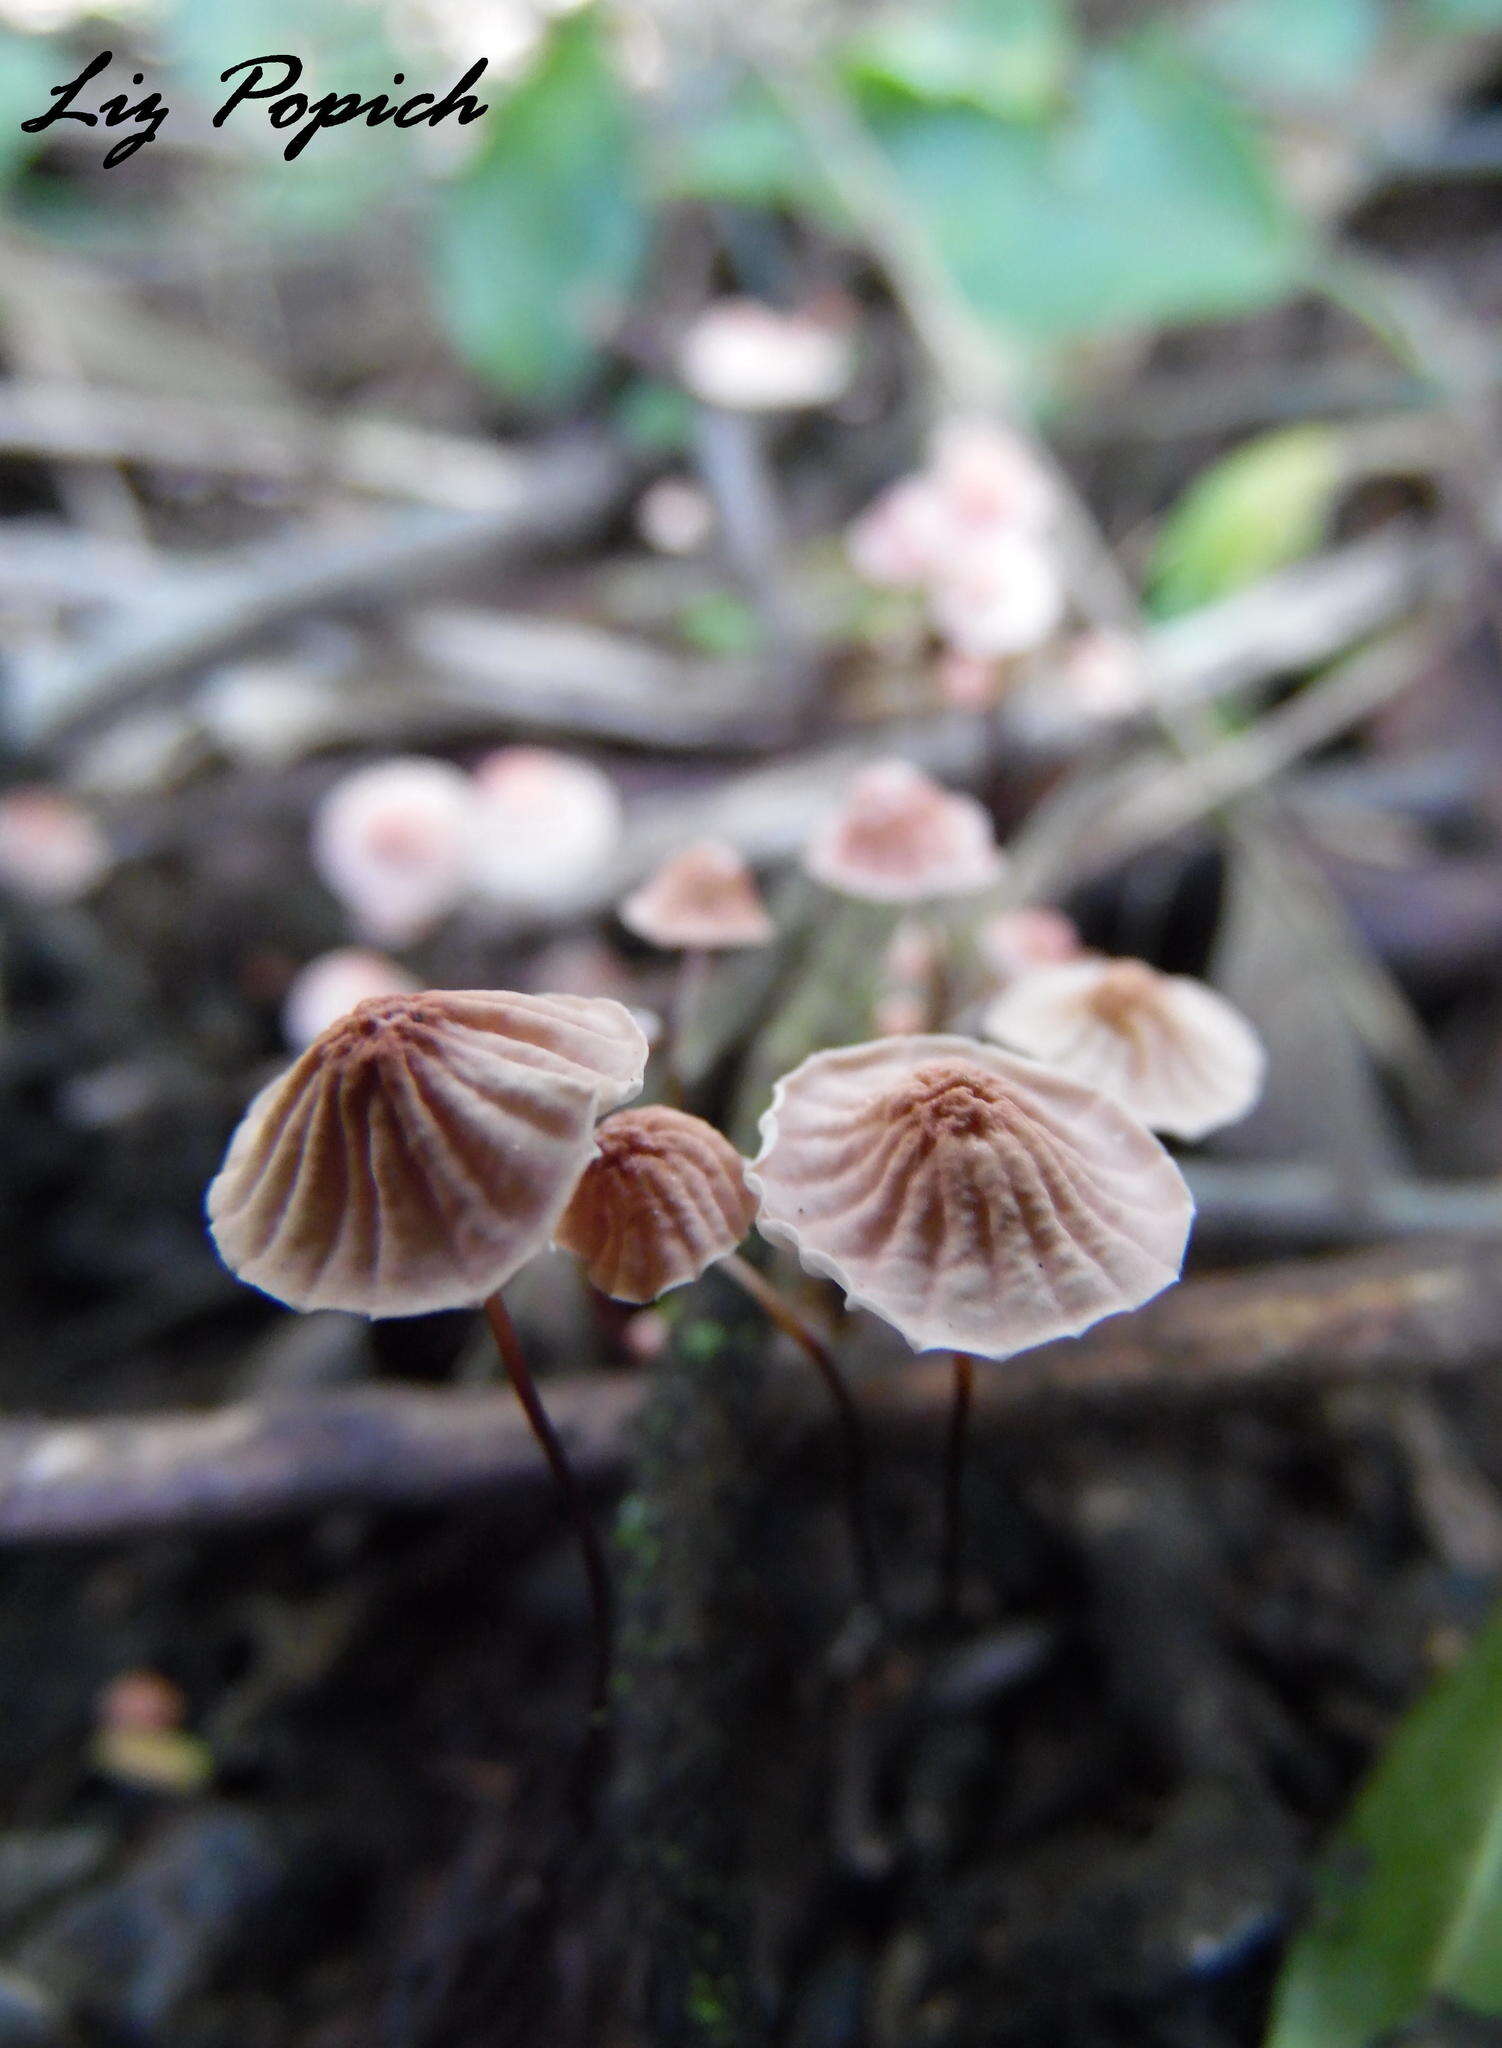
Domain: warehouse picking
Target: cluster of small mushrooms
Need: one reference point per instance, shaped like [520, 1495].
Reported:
[981, 1195]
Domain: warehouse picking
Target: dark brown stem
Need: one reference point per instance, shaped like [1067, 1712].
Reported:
[783, 1316]
[520, 1374]
[954, 1480]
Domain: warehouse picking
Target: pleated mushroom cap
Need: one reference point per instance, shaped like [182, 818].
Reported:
[1169, 1049]
[664, 1197]
[901, 838]
[422, 1149]
[973, 1200]
[702, 899]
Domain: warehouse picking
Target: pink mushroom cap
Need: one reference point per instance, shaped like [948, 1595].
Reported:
[899, 837]
[974, 1201]
[664, 1197]
[421, 1150]
[1169, 1049]
[702, 899]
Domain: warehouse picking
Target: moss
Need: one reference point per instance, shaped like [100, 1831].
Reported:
[688, 1662]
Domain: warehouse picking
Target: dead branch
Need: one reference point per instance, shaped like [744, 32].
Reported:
[58, 419]
[1422, 1309]
[557, 495]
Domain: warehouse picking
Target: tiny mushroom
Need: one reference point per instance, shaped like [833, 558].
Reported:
[422, 1149]
[744, 356]
[51, 850]
[664, 1197]
[998, 594]
[415, 1157]
[393, 843]
[1172, 1051]
[1032, 935]
[325, 988]
[546, 826]
[990, 478]
[977, 1202]
[704, 899]
[973, 1200]
[899, 837]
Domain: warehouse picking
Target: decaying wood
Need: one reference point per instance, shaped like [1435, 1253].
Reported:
[1422, 1309]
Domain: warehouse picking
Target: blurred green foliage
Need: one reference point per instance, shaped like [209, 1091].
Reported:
[543, 234]
[1147, 197]
[26, 74]
[1265, 505]
[1070, 186]
[1408, 1916]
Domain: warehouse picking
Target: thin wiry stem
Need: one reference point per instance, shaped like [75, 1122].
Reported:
[783, 1316]
[520, 1374]
[954, 1480]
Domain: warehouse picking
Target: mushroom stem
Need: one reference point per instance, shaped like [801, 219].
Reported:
[520, 1374]
[954, 1479]
[783, 1316]
[688, 995]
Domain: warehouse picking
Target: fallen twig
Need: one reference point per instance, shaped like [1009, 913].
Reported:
[557, 495]
[1420, 1309]
[59, 420]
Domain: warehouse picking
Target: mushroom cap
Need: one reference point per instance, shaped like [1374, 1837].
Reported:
[324, 988]
[990, 477]
[974, 1201]
[901, 537]
[51, 850]
[393, 843]
[999, 593]
[1033, 935]
[422, 1149]
[1169, 1049]
[899, 837]
[546, 825]
[745, 356]
[704, 898]
[664, 1197]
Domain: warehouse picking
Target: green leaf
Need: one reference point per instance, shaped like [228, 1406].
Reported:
[1255, 511]
[1007, 57]
[541, 238]
[343, 172]
[29, 68]
[746, 152]
[1409, 1904]
[1152, 199]
[1294, 49]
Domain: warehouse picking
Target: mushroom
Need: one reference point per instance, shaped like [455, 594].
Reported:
[998, 594]
[664, 1198]
[990, 479]
[393, 843]
[546, 824]
[699, 901]
[1033, 935]
[977, 1202]
[704, 899]
[743, 356]
[51, 850]
[415, 1157]
[321, 991]
[1172, 1051]
[981, 483]
[899, 837]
